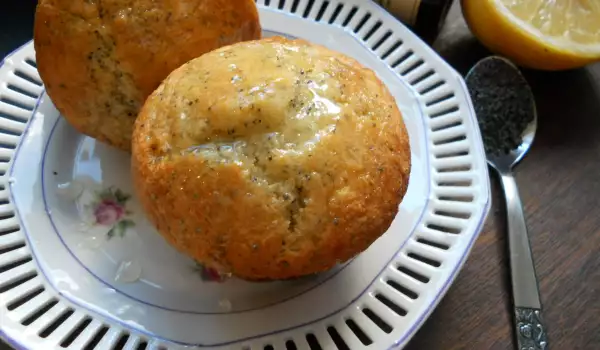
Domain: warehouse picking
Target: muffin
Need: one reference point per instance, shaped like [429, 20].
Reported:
[99, 60]
[271, 159]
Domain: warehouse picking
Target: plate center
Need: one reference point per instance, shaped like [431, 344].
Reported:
[90, 200]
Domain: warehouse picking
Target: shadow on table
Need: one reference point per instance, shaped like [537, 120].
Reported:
[568, 107]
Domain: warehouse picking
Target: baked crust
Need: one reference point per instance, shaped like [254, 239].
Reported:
[271, 159]
[99, 60]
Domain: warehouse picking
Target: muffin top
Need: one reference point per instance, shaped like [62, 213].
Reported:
[99, 60]
[271, 159]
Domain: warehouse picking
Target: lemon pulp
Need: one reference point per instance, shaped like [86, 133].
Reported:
[545, 34]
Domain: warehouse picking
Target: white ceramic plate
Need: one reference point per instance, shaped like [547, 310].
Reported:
[81, 267]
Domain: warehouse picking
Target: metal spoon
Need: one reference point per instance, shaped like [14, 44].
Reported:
[530, 329]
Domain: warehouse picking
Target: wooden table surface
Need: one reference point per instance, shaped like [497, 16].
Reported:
[560, 187]
[559, 183]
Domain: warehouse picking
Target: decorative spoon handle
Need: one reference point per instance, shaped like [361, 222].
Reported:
[531, 334]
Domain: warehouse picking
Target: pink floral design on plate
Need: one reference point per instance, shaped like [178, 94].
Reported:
[208, 274]
[109, 209]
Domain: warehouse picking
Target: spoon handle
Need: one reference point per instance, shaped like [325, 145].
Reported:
[530, 329]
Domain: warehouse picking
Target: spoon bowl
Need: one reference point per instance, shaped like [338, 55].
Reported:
[505, 162]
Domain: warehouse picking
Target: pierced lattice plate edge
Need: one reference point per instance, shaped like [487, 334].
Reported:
[458, 193]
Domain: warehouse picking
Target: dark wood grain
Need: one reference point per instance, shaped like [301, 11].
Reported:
[559, 183]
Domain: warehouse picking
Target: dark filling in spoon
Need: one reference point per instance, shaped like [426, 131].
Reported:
[503, 104]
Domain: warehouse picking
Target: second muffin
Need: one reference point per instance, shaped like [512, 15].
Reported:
[271, 159]
[99, 60]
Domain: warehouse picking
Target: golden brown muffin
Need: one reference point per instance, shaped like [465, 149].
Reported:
[271, 159]
[100, 60]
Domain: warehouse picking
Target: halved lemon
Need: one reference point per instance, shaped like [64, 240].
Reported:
[539, 34]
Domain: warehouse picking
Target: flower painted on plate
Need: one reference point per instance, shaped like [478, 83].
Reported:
[208, 274]
[108, 213]
[110, 209]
